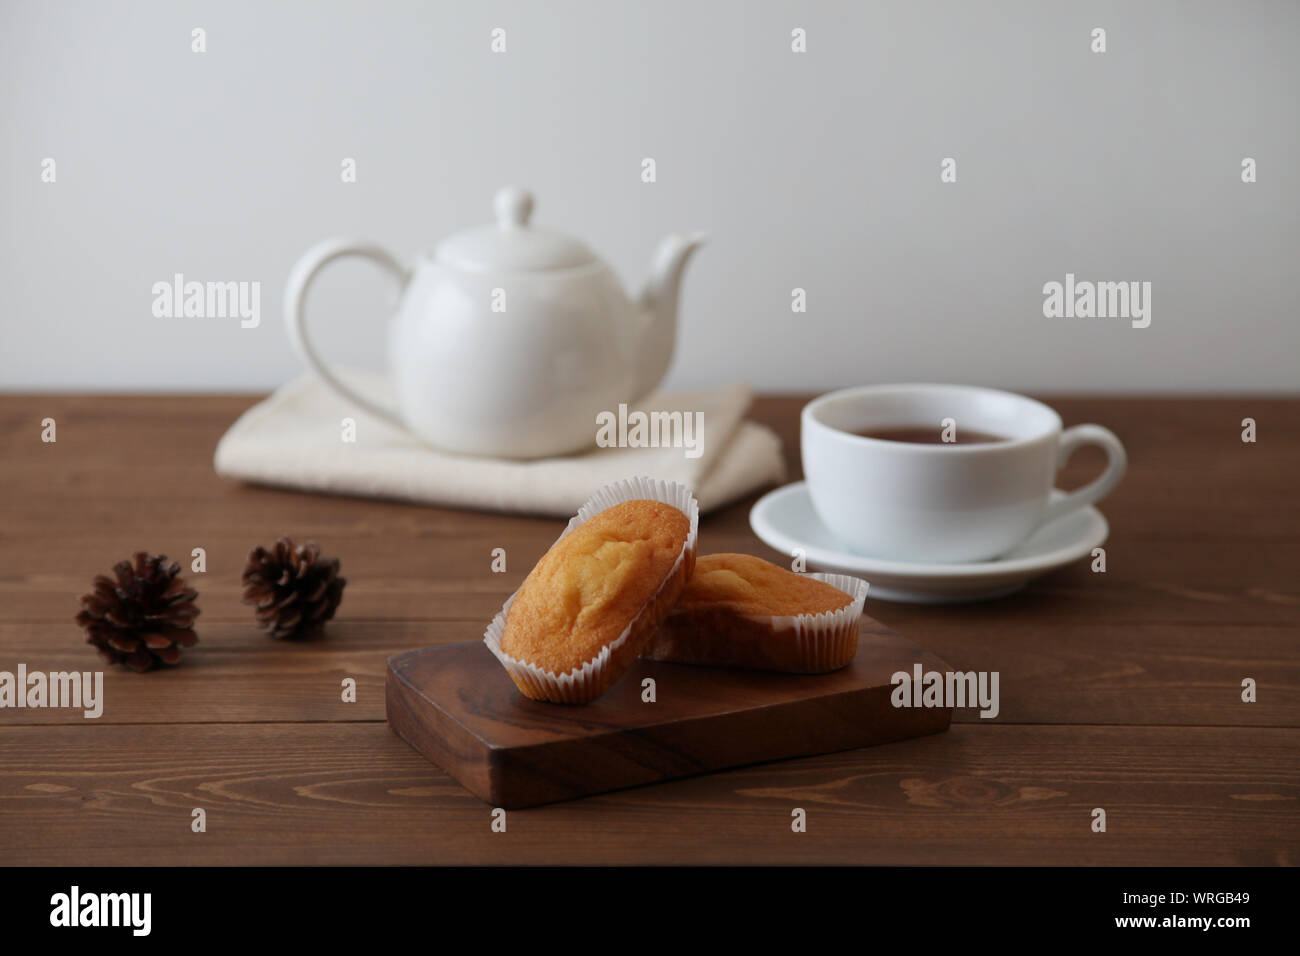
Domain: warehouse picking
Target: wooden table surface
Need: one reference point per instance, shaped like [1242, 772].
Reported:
[1119, 690]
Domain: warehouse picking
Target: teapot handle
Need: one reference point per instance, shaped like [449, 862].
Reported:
[300, 279]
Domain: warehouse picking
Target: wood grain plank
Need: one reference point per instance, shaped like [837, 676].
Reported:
[1168, 507]
[68, 510]
[1086, 673]
[1201, 590]
[449, 576]
[1184, 453]
[355, 793]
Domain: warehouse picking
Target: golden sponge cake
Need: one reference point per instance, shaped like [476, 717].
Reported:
[744, 584]
[741, 611]
[588, 608]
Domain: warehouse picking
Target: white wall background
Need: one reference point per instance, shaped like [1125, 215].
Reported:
[818, 170]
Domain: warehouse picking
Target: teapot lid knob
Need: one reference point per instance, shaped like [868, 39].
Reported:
[513, 207]
[511, 245]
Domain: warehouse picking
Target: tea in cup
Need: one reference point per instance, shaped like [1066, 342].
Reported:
[942, 473]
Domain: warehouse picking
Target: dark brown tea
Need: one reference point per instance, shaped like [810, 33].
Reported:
[932, 436]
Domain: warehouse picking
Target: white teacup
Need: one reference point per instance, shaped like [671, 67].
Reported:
[942, 502]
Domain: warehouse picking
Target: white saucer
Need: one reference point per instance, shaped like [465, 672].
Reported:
[785, 520]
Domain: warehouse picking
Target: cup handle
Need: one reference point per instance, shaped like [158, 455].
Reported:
[300, 279]
[1098, 488]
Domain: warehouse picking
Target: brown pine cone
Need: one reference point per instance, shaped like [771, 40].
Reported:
[142, 618]
[294, 589]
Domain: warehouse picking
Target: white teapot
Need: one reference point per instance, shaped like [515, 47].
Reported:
[509, 340]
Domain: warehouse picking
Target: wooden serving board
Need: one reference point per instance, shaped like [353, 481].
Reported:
[455, 704]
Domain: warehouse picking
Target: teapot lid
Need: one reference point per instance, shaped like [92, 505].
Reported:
[512, 244]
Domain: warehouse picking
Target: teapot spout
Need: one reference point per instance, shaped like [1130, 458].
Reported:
[658, 306]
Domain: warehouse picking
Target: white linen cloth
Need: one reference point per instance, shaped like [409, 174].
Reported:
[293, 439]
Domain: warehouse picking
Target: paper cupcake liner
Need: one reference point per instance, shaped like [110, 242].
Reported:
[585, 683]
[797, 643]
